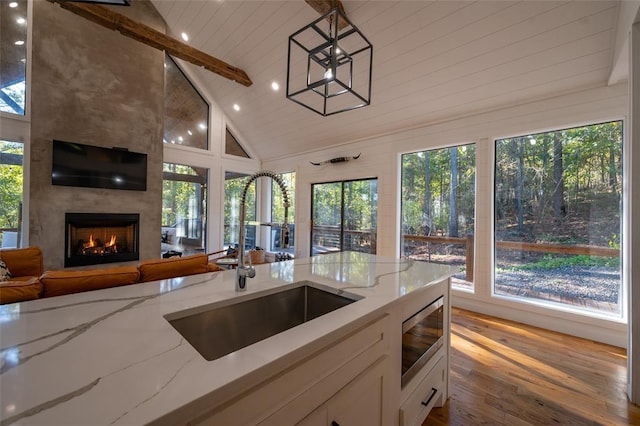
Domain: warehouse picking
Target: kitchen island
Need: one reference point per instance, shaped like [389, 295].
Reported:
[111, 357]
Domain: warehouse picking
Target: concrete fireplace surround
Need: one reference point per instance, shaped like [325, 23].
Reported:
[93, 86]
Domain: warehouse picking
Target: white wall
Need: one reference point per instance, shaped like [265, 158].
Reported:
[380, 158]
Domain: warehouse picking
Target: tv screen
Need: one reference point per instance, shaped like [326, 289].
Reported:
[90, 166]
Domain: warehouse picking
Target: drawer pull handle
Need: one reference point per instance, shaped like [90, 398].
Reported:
[433, 393]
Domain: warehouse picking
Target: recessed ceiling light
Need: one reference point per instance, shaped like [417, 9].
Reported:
[202, 126]
[172, 141]
[275, 85]
[236, 107]
[19, 43]
[190, 132]
[13, 4]
[180, 138]
[185, 36]
[21, 21]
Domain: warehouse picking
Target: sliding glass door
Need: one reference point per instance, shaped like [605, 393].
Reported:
[344, 216]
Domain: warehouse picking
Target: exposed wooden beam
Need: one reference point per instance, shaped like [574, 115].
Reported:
[126, 26]
[324, 6]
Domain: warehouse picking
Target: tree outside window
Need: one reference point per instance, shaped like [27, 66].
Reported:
[11, 183]
[558, 217]
[438, 208]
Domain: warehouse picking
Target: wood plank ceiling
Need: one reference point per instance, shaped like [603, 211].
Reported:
[433, 60]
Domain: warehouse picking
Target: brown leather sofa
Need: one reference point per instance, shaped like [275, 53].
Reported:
[29, 282]
[25, 266]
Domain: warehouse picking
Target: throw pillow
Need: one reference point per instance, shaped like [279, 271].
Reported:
[4, 271]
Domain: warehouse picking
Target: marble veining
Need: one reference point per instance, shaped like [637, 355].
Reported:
[110, 357]
[78, 330]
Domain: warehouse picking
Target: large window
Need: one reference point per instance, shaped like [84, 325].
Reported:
[184, 208]
[186, 113]
[233, 186]
[13, 60]
[11, 184]
[438, 208]
[277, 211]
[557, 217]
[344, 216]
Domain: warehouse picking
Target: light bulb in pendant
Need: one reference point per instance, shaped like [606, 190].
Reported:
[328, 74]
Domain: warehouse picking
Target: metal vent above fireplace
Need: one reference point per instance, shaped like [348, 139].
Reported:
[97, 238]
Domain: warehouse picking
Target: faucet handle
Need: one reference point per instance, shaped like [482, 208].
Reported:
[251, 272]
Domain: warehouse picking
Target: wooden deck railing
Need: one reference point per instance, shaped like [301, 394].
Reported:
[333, 234]
[468, 242]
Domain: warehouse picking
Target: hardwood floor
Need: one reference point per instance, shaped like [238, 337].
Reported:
[506, 373]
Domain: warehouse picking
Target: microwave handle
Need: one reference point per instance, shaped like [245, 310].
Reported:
[419, 316]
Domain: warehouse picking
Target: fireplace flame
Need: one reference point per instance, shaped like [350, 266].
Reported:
[112, 241]
[90, 243]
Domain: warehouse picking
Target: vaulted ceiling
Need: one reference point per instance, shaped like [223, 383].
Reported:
[432, 61]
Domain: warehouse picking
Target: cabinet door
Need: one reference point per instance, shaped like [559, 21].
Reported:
[360, 402]
[318, 417]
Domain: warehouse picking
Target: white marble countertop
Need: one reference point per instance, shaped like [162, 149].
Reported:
[110, 357]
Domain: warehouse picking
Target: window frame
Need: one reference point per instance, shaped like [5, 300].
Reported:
[620, 317]
[399, 241]
[26, 117]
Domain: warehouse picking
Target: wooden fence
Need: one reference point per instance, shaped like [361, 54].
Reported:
[468, 242]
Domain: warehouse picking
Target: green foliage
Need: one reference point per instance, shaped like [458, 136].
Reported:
[360, 201]
[582, 206]
[277, 200]
[11, 182]
[426, 189]
[232, 196]
[554, 262]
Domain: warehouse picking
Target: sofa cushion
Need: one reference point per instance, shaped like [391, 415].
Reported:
[20, 290]
[57, 283]
[23, 262]
[212, 267]
[161, 269]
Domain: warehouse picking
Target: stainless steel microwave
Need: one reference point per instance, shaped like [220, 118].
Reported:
[422, 336]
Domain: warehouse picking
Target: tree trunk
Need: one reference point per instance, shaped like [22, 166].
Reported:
[453, 194]
[427, 218]
[559, 206]
[613, 179]
[520, 183]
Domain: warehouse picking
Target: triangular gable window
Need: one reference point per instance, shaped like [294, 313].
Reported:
[186, 113]
[233, 147]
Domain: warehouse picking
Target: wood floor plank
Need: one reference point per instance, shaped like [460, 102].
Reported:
[506, 373]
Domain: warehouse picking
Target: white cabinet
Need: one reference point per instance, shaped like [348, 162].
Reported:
[430, 386]
[430, 392]
[350, 378]
[343, 380]
[358, 403]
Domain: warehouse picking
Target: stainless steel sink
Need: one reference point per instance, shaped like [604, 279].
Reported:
[218, 329]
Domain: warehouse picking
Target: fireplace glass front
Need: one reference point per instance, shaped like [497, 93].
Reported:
[97, 238]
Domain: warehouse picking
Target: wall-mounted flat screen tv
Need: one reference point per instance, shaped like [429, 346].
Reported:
[90, 166]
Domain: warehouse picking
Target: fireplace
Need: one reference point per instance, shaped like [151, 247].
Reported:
[97, 238]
